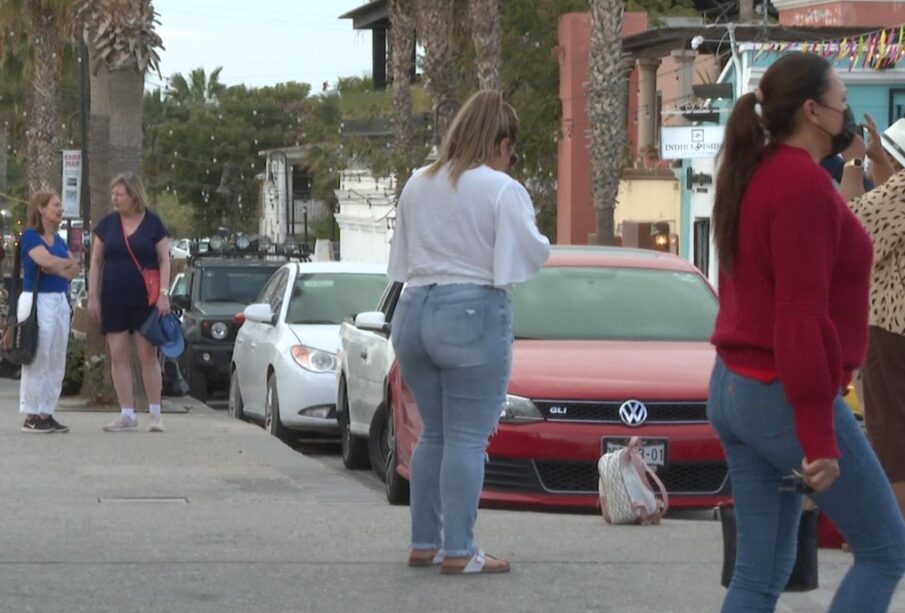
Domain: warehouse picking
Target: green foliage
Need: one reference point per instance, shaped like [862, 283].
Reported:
[74, 373]
[204, 150]
[177, 216]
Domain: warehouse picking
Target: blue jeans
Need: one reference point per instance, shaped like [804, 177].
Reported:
[756, 426]
[454, 347]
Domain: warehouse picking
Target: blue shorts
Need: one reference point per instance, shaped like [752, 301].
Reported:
[123, 317]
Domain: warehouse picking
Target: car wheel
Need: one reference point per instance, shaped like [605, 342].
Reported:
[236, 406]
[397, 487]
[272, 411]
[355, 449]
[378, 449]
[197, 384]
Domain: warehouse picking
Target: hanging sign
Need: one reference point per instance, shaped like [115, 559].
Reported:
[688, 142]
[72, 183]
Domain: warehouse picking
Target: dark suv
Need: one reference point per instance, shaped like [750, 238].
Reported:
[212, 292]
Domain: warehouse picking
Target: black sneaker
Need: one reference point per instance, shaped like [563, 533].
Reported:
[57, 426]
[35, 425]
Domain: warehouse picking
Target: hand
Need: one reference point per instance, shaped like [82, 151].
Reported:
[856, 150]
[820, 474]
[94, 308]
[163, 305]
[875, 149]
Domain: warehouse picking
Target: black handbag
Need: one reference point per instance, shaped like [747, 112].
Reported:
[19, 342]
[804, 573]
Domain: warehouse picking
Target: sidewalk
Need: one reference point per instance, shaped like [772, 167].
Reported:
[217, 516]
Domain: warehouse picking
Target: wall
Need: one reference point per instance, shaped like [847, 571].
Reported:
[646, 196]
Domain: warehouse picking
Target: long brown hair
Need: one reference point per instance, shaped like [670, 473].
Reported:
[788, 83]
[476, 132]
[38, 201]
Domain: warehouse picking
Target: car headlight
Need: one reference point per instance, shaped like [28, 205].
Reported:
[518, 410]
[312, 359]
[219, 330]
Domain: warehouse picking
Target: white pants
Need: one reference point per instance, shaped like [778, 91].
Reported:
[42, 380]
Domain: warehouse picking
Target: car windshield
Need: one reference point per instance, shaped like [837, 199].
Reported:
[233, 283]
[597, 303]
[330, 298]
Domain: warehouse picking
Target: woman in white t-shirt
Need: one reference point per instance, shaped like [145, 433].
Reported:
[465, 232]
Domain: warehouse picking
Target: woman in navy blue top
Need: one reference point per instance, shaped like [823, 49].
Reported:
[42, 247]
[117, 295]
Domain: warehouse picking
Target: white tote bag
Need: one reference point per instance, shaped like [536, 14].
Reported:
[626, 494]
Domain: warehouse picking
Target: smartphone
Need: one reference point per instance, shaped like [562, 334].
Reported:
[795, 483]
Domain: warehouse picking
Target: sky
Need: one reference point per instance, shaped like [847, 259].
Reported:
[262, 42]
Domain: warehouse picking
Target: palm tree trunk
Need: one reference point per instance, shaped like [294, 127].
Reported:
[436, 18]
[402, 46]
[606, 111]
[484, 16]
[43, 131]
[4, 158]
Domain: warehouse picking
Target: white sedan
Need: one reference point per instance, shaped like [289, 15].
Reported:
[284, 364]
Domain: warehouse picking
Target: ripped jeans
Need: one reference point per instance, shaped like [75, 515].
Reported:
[454, 348]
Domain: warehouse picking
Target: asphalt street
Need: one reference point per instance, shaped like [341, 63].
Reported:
[217, 516]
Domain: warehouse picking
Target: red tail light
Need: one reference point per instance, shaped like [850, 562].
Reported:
[239, 319]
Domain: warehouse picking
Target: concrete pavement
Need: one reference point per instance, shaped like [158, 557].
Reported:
[217, 516]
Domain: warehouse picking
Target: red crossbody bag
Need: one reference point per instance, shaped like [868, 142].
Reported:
[150, 276]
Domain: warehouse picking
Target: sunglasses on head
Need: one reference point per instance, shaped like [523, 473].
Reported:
[513, 159]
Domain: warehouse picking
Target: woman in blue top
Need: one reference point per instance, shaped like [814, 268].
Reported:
[42, 380]
[117, 296]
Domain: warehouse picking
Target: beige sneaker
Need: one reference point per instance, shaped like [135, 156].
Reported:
[122, 424]
[156, 423]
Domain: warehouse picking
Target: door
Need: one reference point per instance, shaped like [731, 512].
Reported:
[377, 356]
[252, 376]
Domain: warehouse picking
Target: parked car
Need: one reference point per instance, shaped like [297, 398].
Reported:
[610, 343]
[211, 292]
[283, 369]
[365, 357]
[180, 249]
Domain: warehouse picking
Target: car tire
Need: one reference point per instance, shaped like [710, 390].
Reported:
[397, 487]
[236, 407]
[272, 411]
[377, 442]
[354, 448]
[197, 383]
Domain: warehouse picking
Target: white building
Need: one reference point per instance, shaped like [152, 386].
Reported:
[285, 173]
[366, 217]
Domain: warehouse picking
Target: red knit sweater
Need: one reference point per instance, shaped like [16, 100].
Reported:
[797, 302]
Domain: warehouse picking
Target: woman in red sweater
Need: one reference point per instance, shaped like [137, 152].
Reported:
[794, 276]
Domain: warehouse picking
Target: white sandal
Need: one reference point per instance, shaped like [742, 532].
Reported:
[477, 564]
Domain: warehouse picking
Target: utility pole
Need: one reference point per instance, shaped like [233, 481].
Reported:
[85, 196]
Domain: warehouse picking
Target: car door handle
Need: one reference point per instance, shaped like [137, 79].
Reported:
[253, 345]
[364, 355]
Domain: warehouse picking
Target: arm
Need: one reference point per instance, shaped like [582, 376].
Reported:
[881, 167]
[853, 176]
[52, 264]
[803, 236]
[519, 248]
[163, 259]
[882, 213]
[95, 275]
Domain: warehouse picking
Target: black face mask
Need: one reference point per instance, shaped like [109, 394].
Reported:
[842, 140]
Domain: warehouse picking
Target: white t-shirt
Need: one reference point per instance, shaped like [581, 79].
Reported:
[482, 231]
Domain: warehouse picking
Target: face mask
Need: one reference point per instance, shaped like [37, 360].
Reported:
[842, 139]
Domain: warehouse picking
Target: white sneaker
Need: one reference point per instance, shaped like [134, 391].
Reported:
[122, 423]
[156, 423]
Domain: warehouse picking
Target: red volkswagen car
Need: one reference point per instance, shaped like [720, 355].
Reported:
[610, 343]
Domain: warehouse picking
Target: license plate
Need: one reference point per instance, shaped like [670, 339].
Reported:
[653, 450]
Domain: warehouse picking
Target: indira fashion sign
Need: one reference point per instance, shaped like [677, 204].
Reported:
[690, 142]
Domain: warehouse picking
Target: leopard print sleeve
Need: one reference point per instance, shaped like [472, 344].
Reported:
[882, 213]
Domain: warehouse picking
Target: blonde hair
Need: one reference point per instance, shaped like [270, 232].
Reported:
[134, 188]
[38, 201]
[476, 132]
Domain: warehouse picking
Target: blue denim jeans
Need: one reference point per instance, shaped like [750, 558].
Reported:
[454, 347]
[756, 426]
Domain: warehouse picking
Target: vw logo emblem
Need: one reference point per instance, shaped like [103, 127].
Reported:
[633, 413]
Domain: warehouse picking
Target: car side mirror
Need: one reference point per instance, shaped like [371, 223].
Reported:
[181, 301]
[260, 313]
[375, 321]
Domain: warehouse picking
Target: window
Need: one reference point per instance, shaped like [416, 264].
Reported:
[596, 303]
[330, 298]
[233, 283]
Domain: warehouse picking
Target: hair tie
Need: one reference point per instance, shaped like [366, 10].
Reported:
[759, 110]
[758, 95]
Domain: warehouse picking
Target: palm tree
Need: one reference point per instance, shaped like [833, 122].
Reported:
[46, 25]
[122, 45]
[402, 46]
[606, 111]
[435, 28]
[484, 16]
[198, 90]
